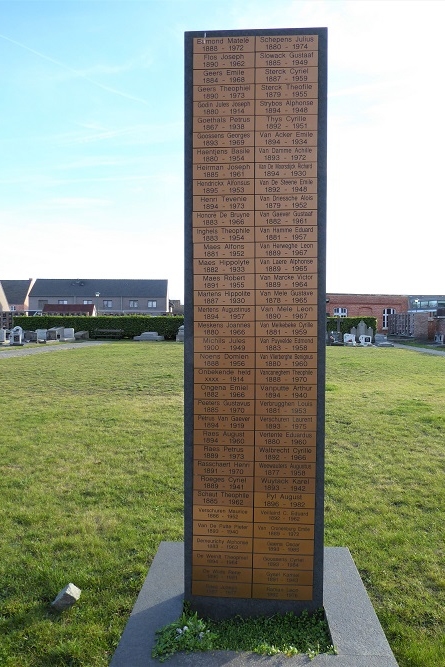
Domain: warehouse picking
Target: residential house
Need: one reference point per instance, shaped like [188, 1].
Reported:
[176, 307]
[110, 297]
[69, 309]
[14, 299]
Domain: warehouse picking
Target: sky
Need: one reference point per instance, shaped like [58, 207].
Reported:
[91, 136]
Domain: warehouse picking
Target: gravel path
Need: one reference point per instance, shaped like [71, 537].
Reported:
[423, 350]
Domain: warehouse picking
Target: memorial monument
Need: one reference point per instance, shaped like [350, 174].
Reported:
[255, 323]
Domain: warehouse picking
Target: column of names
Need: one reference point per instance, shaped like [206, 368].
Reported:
[286, 315]
[224, 311]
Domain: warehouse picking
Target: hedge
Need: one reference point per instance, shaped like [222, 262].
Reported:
[132, 325]
[346, 323]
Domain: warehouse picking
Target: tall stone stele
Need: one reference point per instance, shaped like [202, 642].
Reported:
[255, 230]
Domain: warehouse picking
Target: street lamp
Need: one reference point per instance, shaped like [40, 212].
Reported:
[97, 302]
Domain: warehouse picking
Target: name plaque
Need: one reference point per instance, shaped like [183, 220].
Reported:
[254, 325]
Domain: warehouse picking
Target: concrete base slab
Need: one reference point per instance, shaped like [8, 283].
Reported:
[355, 629]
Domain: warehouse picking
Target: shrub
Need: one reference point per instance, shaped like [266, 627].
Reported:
[132, 325]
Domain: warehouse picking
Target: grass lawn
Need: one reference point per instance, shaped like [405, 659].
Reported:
[91, 481]
[385, 494]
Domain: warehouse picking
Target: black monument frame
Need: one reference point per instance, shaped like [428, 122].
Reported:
[222, 607]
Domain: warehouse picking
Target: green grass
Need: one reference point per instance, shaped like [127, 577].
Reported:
[91, 482]
[385, 496]
[266, 635]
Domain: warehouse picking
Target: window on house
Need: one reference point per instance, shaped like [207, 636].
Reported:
[12, 308]
[151, 304]
[386, 313]
[87, 301]
[108, 303]
[340, 312]
[134, 303]
[62, 301]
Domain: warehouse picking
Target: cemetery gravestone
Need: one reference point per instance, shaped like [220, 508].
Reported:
[81, 335]
[362, 329]
[30, 336]
[55, 333]
[365, 340]
[149, 336]
[349, 339]
[180, 334]
[16, 337]
[381, 340]
[335, 338]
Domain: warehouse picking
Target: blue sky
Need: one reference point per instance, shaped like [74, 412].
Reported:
[91, 136]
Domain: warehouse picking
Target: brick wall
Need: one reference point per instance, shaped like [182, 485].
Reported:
[440, 326]
[369, 305]
[423, 326]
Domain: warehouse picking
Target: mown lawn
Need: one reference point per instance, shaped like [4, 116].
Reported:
[385, 494]
[91, 481]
